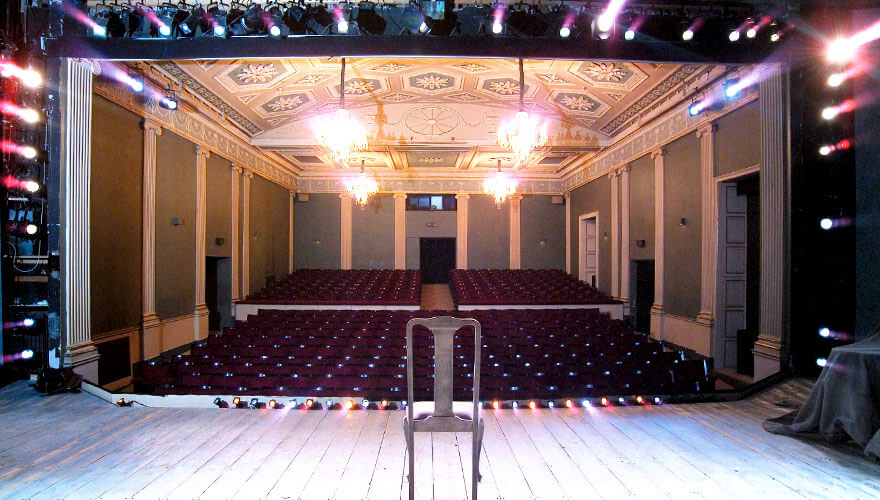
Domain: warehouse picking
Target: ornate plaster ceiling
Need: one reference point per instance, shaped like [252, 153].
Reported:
[437, 117]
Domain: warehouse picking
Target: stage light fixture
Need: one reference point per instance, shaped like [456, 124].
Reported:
[532, 405]
[496, 405]
[236, 401]
[640, 400]
[309, 403]
[27, 354]
[568, 403]
[605, 22]
[824, 332]
[621, 400]
[28, 322]
[687, 35]
[564, 32]
[275, 31]
[586, 403]
[734, 36]
[365, 403]
[695, 109]
[826, 223]
[514, 405]
[836, 79]
[248, 22]
[841, 50]
[220, 403]
[370, 21]
[603, 401]
[272, 404]
[731, 88]
[550, 404]
[254, 403]
[383, 404]
[752, 32]
[349, 404]
[821, 362]
[629, 34]
[657, 400]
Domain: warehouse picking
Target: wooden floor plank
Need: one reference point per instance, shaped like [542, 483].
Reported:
[487, 488]
[448, 476]
[388, 479]
[509, 477]
[325, 480]
[538, 475]
[355, 480]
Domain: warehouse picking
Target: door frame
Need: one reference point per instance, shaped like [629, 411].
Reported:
[582, 248]
[717, 334]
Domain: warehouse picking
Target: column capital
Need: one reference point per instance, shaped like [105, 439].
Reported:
[567, 195]
[659, 152]
[613, 174]
[344, 196]
[292, 193]
[203, 152]
[624, 168]
[235, 168]
[706, 129]
[151, 126]
[462, 196]
[399, 196]
[516, 196]
[247, 173]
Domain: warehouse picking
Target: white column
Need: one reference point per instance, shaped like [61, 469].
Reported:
[659, 234]
[290, 238]
[567, 197]
[770, 348]
[236, 175]
[399, 231]
[515, 239]
[624, 237]
[151, 341]
[201, 313]
[345, 230]
[79, 351]
[615, 235]
[709, 226]
[246, 177]
[461, 231]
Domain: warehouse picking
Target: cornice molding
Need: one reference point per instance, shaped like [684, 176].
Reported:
[428, 186]
[676, 124]
[194, 128]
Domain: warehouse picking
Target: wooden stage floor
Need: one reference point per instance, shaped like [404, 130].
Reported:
[77, 446]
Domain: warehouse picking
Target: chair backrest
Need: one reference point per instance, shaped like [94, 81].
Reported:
[443, 328]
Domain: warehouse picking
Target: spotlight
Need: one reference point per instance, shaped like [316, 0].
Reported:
[532, 405]
[254, 403]
[248, 22]
[169, 100]
[496, 405]
[695, 109]
[497, 28]
[29, 322]
[31, 229]
[605, 22]
[365, 403]
[829, 113]
[752, 32]
[603, 401]
[826, 223]
[383, 404]
[564, 31]
[349, 404]
[272, 404]
[220, 403]
[821, 362]
[568, 403]
[27, 354]
[236, 401]
[99, 31]
[836, 79]
[688, 35]
[824, 332]
[165, 30]
[629, 34]
[621, 400]
[275, 31]
[514, 405]
[219, 31]
[309, 403]
[841, 50]
[775, 37]
[550, 404]
[369, 20]
[586, 403]
[733, 36]
[657, 400]
[341, 26]
[825, 150]
[640, 400]
[123, 402]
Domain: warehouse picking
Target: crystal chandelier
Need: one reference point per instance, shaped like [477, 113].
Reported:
[524, 133]
[361, 187]
[499, 186]
[338, 134]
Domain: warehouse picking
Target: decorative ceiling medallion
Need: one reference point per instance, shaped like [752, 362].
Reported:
[397, 97]
[431, 120]
[431, 81]
[251, 75]
[577, 102]
[472, 67]
[465, 97]
[312, 79]
[611, 75]
[255, 73]
[283, 103]
[390, 67]
[503, 86]
[552, 79]
[360, 87]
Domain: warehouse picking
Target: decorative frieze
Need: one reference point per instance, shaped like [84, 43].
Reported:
[335, 184]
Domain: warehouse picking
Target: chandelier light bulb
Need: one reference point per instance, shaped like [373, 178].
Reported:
[361, 187]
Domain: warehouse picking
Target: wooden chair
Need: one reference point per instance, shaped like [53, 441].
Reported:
[440, 415]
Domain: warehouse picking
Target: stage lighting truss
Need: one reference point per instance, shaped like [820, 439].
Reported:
[736, 23]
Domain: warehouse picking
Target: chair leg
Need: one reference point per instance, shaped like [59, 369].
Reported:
[410, 450]
[475, 461]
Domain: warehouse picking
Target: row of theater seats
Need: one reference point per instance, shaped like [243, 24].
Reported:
[548, 354]
[522, 286]
[344, 287]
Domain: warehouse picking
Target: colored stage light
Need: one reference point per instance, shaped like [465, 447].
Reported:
[309, 403]
[349, 404]
[836, 79]
[220, 403]
[775, 37]
[550, 404]
[27, 354]
[254, 403]
[841, 50]
[629, 34]
[752, 32]
[603, 401]
[564, 31]
[272, 404]
[621, 400]
[569, 403]
[31, 229]
[532, 405]
[28, 322]
[275, 30]
[733, 36]
[514, 405]
[236, 401]
[821, 362]
[640, 400]
[496, 405]
[687, 35]
[657, 400]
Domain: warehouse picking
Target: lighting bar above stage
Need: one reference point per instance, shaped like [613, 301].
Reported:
[793, 48]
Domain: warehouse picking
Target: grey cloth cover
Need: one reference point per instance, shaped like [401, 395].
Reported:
[844, 403]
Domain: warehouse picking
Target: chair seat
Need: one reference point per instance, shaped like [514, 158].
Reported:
[461, 409]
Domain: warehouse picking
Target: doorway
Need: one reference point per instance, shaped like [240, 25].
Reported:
[738, 274]
[436, 259]
[643, 276]
[588, 248]
[218, 292]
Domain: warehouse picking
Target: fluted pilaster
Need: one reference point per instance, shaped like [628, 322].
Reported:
[624, 237]
[769, 350]
[567, 198]
[461, 231]
[615, 233]
[201, 312]
[235, 179]
[290, 234]
[79, 351]
[345, 230]
[515, 231]
[399, 231]
[150, 341]
[246, 177]
[709, 229]
[659, 235]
